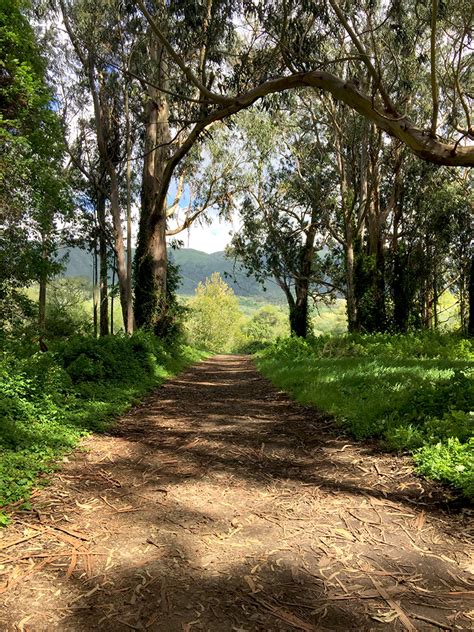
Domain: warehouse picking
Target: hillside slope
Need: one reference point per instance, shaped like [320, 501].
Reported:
[195, 266]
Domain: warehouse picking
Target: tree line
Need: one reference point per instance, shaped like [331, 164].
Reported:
[341, 132]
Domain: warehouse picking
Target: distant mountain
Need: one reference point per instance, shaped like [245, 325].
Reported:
[194, 267]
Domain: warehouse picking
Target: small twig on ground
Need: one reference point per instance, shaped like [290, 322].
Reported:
[442, 626]
[393, 604]
[20, 540]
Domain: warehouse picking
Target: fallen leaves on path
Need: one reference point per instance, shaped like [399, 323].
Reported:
[217, 504]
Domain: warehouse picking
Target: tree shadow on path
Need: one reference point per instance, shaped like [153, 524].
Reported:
[219, 504]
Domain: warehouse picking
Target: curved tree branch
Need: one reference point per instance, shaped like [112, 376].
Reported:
[419, 141]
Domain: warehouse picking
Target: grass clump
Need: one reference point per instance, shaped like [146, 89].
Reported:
[48, 401]
[416, 392]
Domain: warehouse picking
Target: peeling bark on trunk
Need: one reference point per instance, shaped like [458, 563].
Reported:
[43, 280]
[470, 325]
[151, 259]
[103, 270]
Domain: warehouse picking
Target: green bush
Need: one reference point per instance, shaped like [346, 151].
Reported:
[48, 401]
[214, 317]
[66, 314]
[266, 325]
[426, 344]
[451, 462]
[414, 391]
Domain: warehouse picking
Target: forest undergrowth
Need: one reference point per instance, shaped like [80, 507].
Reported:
[49, 401]
[414, 392]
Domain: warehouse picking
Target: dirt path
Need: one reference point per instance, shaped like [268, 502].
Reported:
[220, 505]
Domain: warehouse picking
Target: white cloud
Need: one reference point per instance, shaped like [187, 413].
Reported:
[208, 238]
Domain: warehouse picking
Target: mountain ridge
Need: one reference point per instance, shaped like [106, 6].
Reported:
[195, 266]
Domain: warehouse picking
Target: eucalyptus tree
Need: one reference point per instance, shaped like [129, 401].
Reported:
[201, 32]
[90, 185]
[402, 225]
[34, 193]
[339, 49]
[284, 192]
[430, 247]
[94, 32]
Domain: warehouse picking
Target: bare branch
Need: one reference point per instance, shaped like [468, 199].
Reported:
[177, 198]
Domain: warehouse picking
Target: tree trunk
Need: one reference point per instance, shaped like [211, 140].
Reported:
[104, 123]
[103, 282]
[119, 245]
[299, 314]
[151, 259]
[401, 304]
[294, 318]
[428, 305]
[374, 316]
[470, 325]
[299, 321]
[151, 275]
[435, 299]
[94, 288]
[351, 302]
[43, 280]
[112, 299]
[380, 312]
[129, 325]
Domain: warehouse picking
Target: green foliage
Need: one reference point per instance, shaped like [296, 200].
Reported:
[214, 318]
[66, 314]
[416, 392]
[330, 319]
[451, 462]
[266, 325]
[48, 401]
[33, 187]
[17, 311]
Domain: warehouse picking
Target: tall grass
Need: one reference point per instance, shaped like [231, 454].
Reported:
[415, 392]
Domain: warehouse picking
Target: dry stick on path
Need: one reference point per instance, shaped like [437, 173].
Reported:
[290, 563]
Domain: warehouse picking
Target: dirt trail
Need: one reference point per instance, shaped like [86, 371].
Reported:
[220, 505]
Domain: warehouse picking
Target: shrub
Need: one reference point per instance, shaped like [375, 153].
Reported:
[214, 316]
[66, 314]
[48, 401]
[266, 325]
[450, 462]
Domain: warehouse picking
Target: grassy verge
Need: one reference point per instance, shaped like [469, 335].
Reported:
[415, 392]
[49, 401]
